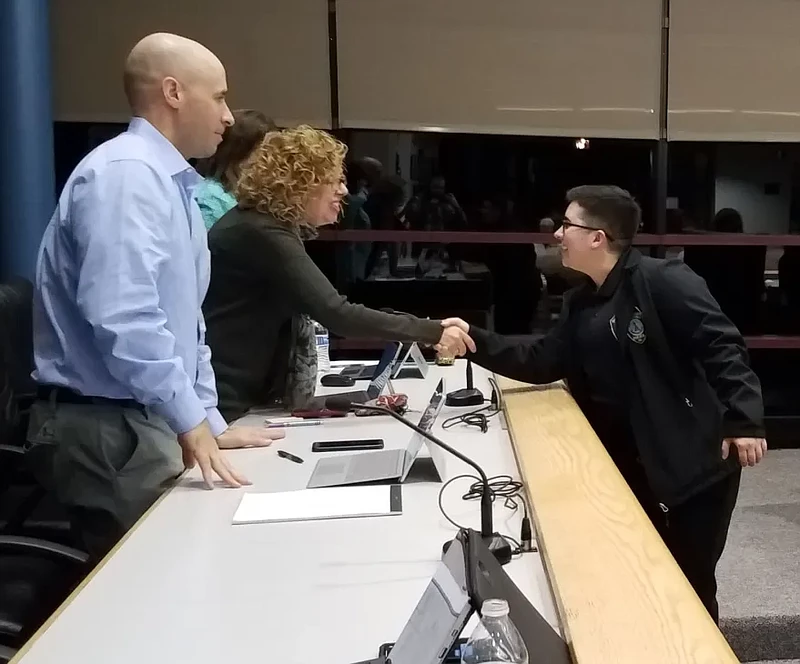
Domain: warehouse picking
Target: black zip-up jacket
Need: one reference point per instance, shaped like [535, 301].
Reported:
[691, 383]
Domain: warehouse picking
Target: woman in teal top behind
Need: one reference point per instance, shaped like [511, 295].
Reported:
[221, 171]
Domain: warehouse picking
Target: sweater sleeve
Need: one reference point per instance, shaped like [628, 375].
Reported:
[282, 261]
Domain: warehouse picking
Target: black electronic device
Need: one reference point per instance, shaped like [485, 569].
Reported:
[469, 575]
[466, 396]
[375, 387]
[337, 380]
[347, 445]
[452, 657]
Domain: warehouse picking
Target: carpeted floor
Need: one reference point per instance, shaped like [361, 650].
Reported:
[759, 574]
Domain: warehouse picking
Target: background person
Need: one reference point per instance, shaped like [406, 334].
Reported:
[214, 195]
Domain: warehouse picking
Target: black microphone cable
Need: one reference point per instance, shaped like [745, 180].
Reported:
[479, 418]
[501, 486]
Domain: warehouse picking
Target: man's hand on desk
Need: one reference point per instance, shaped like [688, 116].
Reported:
[455, 339]
[200, 447]
[243, 436]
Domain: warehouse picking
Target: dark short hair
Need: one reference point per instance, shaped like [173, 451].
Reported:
[728, 220]
[611, 208]
[368, 169]
[386, 197]
[238, 141]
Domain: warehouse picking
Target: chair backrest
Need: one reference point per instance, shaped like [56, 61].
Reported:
[16, 357]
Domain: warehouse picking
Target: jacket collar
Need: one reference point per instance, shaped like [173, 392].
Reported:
[628, 261]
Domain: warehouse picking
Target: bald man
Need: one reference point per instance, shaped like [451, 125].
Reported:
[127, 395]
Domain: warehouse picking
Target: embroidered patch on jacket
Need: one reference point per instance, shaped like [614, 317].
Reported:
[636, 331]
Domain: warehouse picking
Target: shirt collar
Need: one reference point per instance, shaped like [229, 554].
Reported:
[166, 152]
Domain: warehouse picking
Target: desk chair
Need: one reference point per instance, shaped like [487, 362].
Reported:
[36, 574]
[17, 389]
[20, 495]
[6, 654]
[35, 577]
[19, 492]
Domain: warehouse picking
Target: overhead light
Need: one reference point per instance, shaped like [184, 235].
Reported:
[582, 143]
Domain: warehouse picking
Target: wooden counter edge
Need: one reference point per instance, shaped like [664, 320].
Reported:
[705, 643]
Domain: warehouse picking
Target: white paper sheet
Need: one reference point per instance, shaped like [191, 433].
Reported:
[312, 504]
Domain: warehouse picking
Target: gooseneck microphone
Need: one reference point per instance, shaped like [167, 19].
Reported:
[497, 544]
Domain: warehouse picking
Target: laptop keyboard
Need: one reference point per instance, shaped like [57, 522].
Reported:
[359, 373]
[331, 467]
[378, 464]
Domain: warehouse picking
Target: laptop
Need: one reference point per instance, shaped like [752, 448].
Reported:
[467, 576]
[441, 614]
[382, 466]
[359, 371]
[375, 387]
[409, 363]
[370, 371]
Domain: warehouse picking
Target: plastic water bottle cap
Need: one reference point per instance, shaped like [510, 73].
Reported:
[494, 608]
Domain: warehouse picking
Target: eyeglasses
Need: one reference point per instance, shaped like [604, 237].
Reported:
[566, 223]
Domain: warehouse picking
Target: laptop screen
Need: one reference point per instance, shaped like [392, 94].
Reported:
[383, 370]
[425, 423]
[402, 356]
[432, 410]
[441, 614]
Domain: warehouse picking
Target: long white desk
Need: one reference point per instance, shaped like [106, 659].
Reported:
[187, 586]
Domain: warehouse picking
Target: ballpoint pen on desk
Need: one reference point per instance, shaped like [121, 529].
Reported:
[298, 423]
[291, 457]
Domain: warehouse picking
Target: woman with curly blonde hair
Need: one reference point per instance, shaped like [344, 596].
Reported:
[265, 289]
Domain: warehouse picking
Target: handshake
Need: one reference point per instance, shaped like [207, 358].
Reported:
[455, 340]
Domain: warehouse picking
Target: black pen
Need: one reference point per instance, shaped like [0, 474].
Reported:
[291, 457]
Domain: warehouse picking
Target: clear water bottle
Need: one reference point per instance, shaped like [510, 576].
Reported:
[323, 349]
[495, 639]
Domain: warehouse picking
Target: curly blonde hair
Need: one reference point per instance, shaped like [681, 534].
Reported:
[284, 171]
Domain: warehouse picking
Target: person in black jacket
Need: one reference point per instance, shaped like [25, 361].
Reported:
[659, 371]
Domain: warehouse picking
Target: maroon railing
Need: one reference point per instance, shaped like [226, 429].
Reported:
[645, 239]
[763, 342]
[483, 237]
[773, 341]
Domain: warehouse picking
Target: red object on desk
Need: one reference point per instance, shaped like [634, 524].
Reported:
[395, 402]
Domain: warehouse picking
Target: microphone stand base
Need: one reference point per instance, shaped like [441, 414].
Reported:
[498, 545]
[464, 397]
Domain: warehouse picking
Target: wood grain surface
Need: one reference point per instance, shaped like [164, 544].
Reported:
[621, 596]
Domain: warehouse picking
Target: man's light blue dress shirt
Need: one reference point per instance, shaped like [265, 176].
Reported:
[122, 272]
